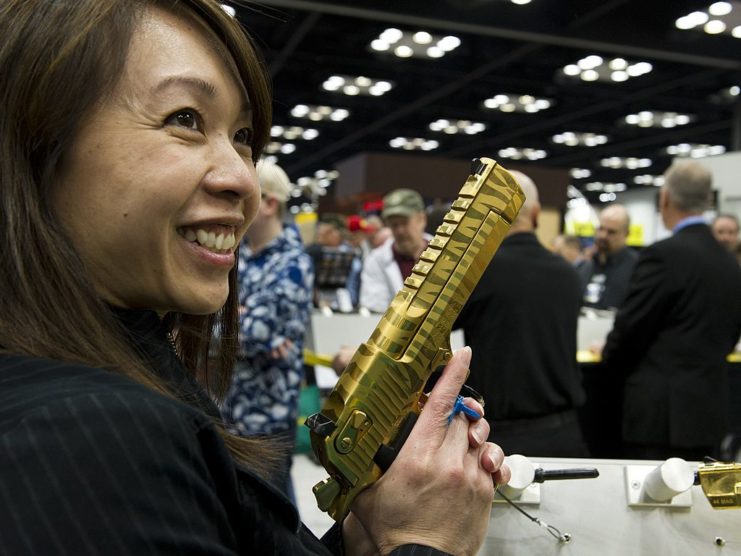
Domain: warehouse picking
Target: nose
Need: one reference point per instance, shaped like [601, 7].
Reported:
[230, 173]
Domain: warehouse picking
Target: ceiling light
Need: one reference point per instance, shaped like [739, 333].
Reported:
[619, 76]
[714, 27]
[291, 133]
[517, 103]
[648, 179]
[422, 37]
[449, 43]
[579, 138]
[520, 2]
[419, 44]
[720, 8]
[275, 147]
[617, 64]
[452, 127]
[719, 18]
[391, 35]
[380, 45]
[319, 112]
[695, 150]
[413, 144]
[648, 118]
[526, 153]
[594, 68]
[607, 197]
[630, 162]
[580, 173]
[403, 51]
[360, 85]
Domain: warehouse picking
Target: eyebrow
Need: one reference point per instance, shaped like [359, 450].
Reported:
[200, 85]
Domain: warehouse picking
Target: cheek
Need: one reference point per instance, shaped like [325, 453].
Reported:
[251, 206]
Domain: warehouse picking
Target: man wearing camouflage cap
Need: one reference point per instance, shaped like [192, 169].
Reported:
[386, 267]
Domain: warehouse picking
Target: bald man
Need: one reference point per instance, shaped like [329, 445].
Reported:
[521, 324]
[605, 276]
[671, 337]
[725, 229]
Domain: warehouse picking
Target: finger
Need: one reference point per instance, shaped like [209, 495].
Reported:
[492, 460]
[478, 432]
[475, 405]
[439, 405]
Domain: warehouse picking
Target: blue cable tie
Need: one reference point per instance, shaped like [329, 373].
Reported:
[462, 407]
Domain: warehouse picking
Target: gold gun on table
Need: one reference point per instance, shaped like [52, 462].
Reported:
[375, 402]
[721, 483]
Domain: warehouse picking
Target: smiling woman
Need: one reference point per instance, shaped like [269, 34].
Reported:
[127, 180]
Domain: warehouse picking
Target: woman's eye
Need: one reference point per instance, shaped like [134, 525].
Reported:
[244, 136]
[184, 118]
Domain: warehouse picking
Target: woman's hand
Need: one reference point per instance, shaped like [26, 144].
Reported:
[439, 490]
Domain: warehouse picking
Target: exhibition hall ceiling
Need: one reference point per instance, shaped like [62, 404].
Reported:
[611, 90]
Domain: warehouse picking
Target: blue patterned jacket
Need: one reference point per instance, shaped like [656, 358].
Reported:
[275, 296]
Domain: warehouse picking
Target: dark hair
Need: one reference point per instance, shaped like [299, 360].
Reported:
[337, 221]
[58, 58]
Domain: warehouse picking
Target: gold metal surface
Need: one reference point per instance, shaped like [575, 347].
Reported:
[721, 483]
[384, 381]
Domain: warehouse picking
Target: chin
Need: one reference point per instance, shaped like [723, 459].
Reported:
[202, 304]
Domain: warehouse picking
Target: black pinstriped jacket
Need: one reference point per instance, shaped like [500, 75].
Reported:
[92, 463]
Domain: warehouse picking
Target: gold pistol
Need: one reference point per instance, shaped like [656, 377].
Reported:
[376, 401]
[721, 483]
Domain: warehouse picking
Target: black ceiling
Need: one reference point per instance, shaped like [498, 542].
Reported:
[505, 48]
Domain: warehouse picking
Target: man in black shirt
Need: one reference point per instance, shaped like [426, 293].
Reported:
[605, 276]
[521, 324]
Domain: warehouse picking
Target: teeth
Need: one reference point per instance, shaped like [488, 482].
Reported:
[210, 240]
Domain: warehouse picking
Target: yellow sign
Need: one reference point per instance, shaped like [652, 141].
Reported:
[635, 235]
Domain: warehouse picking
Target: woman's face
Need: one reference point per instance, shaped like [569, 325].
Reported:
[159, 185]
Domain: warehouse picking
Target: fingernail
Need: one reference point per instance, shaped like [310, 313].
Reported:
[477, 434]
[465, 355]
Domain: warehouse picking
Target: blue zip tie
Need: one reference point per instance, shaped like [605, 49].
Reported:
[462, 407]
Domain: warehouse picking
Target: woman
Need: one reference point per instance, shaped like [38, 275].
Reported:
[129, 134]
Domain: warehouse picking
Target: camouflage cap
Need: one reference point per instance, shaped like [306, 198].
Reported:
[402, 202]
